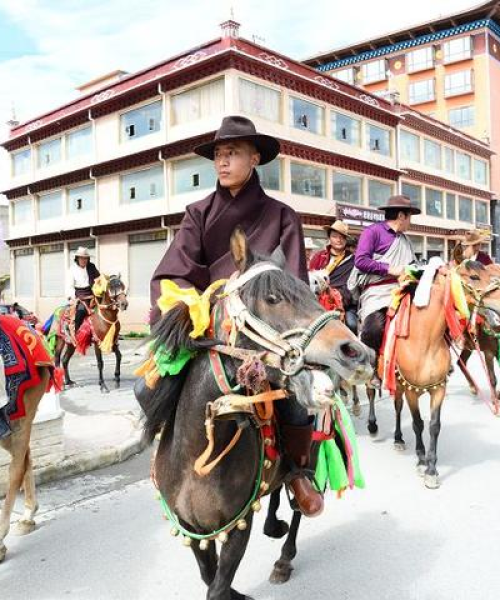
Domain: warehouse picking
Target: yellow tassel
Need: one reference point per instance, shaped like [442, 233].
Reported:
[149, 371]
[107, 343]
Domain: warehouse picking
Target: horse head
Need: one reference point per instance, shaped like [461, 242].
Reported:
[482, 287]
[117, 292]
[285, 313]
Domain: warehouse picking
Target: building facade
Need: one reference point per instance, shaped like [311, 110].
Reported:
[115, 169]
[448, 69]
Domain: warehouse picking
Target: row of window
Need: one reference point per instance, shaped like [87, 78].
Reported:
[437, 203]
[421, 59]
[440, 157]
[455, 84]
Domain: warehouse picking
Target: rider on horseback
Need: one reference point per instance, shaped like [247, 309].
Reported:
[200, 255]
[81, 277]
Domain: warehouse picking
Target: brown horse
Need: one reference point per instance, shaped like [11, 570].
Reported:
[21, 467]
[104, 327]
[271, 306]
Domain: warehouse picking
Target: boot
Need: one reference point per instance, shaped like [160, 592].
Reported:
[297, 444]
[5, 429]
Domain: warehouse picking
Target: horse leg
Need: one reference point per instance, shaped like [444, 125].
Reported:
[58, 352]
[274, 527]
[462, 361]
[489, 359]
[431, 475]
[68, 353]
[283, 567]
[230, 557]
[26, 524]
[372, 418]
[418, 427]
[118, 363]
[207, 561]
[399, 443]
[100, 366]
[356, 406]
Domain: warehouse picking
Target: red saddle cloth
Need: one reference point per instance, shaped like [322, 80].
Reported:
[28, 353]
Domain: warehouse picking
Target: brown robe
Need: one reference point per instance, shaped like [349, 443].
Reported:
[200, 251]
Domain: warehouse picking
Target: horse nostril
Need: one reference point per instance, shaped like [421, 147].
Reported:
[350, 350]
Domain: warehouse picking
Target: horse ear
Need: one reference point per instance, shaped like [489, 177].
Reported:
[239, 249]
[278, 257]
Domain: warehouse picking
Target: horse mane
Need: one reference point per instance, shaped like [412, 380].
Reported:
[473, 265]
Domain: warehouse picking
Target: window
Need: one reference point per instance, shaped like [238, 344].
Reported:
[457, 49]
[144, 252]
[24, 272]
[463, 165]
[308, 181]
[52, 271]
[465, 209]
[451, 206]
[306, 115]
[435, 247]
[141, 186]
[374, 71]
[81, 199]
[417, 243]
[434, 202]
[461, 117]
[347, 188]
[79, 143]
[345, 129]
[378, 140]
[193, 174]
[49, 153]
[347, 75]
[21, 162]
[270, 175]
[50, 206]
[481, 213]
[141, 121]
[22, 211]
[420, 60]
[480, 171]
[422, 91]
[432, 154]
[458, 83]
[414, 193]
[259, 100]
[410, 146]
[449, 160]
[198, 103]
[378, 192]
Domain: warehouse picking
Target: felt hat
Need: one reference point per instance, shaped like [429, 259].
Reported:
[473, 238]
[236, 128]
[338, 226]
[402, 202]
[82, 252]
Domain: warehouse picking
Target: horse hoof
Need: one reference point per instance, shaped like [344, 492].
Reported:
[473, 390]
[281, 573]
[421, 469]
[3, 553]
[356, 410]
[24, 527]
[237, 596]
[431, 481]
[117, 385]
[104, 389]
[70, 384]
[372, 428]
[276, 529]
[399, 445]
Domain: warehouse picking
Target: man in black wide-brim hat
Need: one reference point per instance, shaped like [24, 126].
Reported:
[199, 253]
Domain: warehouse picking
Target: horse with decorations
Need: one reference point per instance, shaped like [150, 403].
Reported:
[426, 315]
[101, 328]
[268, 341]
[29, 373]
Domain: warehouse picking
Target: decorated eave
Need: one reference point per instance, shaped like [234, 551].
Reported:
[446, 133]
[201, 62]
[485, 15]
[185, 147]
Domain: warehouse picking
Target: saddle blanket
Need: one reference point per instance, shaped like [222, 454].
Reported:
[22, 351]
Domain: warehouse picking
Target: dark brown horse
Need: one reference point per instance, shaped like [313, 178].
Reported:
[104, 327]
[205, 505]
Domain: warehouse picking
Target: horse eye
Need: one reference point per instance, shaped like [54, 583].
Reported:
[272, 299]
[475, 277]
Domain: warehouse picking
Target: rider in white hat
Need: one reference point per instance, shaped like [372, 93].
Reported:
[81, 277]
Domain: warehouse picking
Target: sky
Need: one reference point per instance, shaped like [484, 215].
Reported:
[48, 47]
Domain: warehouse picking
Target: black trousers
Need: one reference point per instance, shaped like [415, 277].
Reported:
[81, 313]
[351, 320]
[372, 332]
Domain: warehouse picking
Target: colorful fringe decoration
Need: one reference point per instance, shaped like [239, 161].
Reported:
[162, 363]
[106, 345]
[84, 337]
[332, 469]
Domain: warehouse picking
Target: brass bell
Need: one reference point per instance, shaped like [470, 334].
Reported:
[256, 506]
[204, 544]
[187, 541]
[174, 532]
[268, 441]
[264, 486]
[267, 464]
[241, 525]
[223, 537]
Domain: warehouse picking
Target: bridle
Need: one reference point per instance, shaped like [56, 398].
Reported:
[289, 345]
[114, 302]
[479, 295]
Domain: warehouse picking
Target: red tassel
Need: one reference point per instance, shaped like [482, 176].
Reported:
[452, 320]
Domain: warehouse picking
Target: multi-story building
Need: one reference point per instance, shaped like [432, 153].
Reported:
[448, 68]
[115, 169]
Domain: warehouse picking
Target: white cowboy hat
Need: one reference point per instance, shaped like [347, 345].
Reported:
[82, 252]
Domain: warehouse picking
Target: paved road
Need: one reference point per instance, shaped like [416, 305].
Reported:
[101, 536]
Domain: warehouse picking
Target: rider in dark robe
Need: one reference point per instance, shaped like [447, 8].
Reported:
[199, 255]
